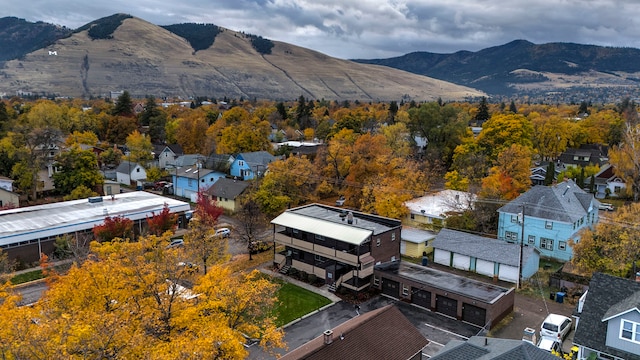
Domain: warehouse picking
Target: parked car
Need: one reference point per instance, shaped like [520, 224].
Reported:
[340, 201]
[175, 243]
[556, 326]
[605, 206]
[550, 344]
[224, 232]
[189, 266]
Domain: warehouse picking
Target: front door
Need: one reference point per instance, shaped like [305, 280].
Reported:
[330, 274]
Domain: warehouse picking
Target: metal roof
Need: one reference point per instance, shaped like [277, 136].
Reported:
[33, 222]
[343, 232]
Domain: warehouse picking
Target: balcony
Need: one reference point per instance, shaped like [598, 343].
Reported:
[325, 251]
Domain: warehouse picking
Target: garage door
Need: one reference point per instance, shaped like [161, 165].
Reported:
[447, 306]
[391, 288]
[403, 248]
[421, 298]
[508, 273]
[473, 314]
[484, 267]
[461, 261]
[442, 257]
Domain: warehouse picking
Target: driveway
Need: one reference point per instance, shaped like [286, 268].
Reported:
[530, 311]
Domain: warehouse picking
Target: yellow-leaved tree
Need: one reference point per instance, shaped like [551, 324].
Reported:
[128, 302]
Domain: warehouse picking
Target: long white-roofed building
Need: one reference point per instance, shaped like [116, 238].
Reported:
[27, 232]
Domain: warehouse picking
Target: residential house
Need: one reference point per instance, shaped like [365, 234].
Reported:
[432, 210]
[128, 172]
[226, 193]
[301, 148]
[8, 198]
[188, 181]
[246, 165]
[476, 302]
[189, 160]
[336, 245]
[490, 257]
[608, 319]
[586, 155]
[166, 154]
[547, 217]
[416, 242]
[219, 162]
[607, 183]
[6, 183]
[359, 338]
[539, 174]
[485, 348]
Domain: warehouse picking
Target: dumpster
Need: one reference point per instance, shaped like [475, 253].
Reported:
[560, 297]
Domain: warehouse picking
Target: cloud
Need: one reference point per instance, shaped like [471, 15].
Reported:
[374, 28]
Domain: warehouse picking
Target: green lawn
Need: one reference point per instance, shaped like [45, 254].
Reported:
[294, 302]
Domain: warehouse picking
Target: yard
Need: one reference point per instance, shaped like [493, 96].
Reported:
[295, 302]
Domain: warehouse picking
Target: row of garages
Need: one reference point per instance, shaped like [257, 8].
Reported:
[464, 299]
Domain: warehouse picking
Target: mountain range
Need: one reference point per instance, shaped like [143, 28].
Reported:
[121, 52]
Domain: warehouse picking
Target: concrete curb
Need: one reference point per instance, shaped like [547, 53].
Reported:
[308, 315]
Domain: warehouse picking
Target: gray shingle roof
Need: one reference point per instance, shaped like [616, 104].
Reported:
[482, 348]
[126, 167]
[481, 247]
[605, 292]
[257, 158]
[564, 202]
[227, 188]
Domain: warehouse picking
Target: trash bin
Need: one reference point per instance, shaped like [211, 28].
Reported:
[560, 297]
[425, 260]
[552, 296]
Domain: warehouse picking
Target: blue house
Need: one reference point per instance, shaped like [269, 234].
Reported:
[547, 217]
[246, 165]
[187, 181]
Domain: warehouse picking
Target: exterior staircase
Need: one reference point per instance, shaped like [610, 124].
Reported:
[285, 269]
[332, 287]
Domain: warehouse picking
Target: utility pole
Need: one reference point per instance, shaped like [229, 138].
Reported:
[521, 248]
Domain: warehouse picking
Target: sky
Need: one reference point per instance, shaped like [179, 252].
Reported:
[370, 29]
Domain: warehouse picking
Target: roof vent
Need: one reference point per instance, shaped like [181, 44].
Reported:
[328, 337]
[95, 199]
[350, 218]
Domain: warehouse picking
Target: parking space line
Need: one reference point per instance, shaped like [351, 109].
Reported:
[447, 331]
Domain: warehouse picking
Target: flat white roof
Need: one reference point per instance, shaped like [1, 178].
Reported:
[343, 232]
[34, 222]
[439, 204]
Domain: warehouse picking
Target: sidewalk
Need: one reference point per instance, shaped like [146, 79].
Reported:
[323, 290]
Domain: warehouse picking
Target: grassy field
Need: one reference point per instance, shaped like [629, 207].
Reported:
[294, 302]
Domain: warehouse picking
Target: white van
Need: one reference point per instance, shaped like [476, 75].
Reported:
[224, 232]
[556, 326]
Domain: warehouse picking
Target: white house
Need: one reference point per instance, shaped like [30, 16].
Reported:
[129, 171]
[432, 210]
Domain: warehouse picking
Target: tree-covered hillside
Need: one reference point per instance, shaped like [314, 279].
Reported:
[19, 37]
[200, 36]
[103, 28]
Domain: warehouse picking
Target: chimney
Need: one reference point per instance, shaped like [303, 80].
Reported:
[328, 337]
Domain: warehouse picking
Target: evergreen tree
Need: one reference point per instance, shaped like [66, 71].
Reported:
[584, 108]
[483, 112]
[281, 110]
[393, 111]
[592, 185]
[513, 108]
[124, 105]
[580, 180]
[4, 119]
[551, 174]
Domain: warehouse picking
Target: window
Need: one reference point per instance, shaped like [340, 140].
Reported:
[319, 237]
[138, 170]
[532, 239]
[546, 243]
[511, 236]
[378, 242]
[319, 258]
[413, 217]
[562, 245]
[405, 290]
[376, 281]
[393, 236]
[548, 224]
[190, 182]
[240, 163]
[514, 218]
[630, 331]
